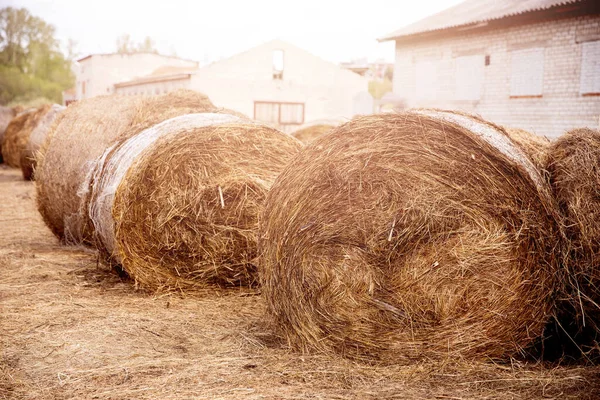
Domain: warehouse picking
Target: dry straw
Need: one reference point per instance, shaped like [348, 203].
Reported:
[17, 134]
[6, 115]
[425, 234]
[177, 205]
[534, 146]
[36, 140]
[80, 136]
[574, 168]
[310, 133]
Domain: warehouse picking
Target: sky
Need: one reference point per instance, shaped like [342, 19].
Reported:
[207, 31]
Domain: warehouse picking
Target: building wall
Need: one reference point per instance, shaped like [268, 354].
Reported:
[100, 72]
[328, 91]
[560, 107]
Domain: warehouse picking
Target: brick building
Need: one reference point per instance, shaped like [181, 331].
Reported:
[533, 64]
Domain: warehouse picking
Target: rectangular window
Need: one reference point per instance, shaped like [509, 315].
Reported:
[83, 88]
[278, 64]
[590, 68]
[426, 80]
[469, 77]
[527, 73]
[281, 113]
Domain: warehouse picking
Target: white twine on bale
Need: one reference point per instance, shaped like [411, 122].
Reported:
[112, 167]
[491, 135]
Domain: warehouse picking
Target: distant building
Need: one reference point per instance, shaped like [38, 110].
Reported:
[372, 70]
[533, 64]
[276, 82]
[97, 74]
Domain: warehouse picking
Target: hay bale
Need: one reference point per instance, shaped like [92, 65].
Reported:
[36, 140]
[6, 115]
[17, 134]
[574, 167]
[310, 133]
[177, 205]
[411, 235]
[534, 146]
[80, 135]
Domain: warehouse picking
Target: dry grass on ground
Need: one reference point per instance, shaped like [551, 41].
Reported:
[71, 329]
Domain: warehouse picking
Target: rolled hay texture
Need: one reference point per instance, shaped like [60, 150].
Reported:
[6, 115]
[36, 139]
[17, 134]
[177, 205]
[574, 167]
[310, 133]
[424, 234]
[534, 146]
[80, 136]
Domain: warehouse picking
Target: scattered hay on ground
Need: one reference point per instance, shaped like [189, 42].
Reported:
[177, 205]
[424, 234]
[70, 330]
[80, 136]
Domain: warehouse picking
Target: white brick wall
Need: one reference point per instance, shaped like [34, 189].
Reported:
[561, 106]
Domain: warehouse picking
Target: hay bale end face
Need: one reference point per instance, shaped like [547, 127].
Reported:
[28, 159]
[310, 133]
[405, 236]
[6, 115]
[17, 134]
[181, 200]
[79, 137]
[574, 167]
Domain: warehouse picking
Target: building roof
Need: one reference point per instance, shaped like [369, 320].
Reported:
[161, 74]
[129, 54]
[474, 12]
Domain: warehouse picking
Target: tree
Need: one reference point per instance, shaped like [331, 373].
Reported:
[126, 46]
[31, 64]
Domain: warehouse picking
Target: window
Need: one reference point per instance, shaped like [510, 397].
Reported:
[527, 73]
[281, 113]
[83, 88]
[590, 68]
[278, 64]
[426, 80]
[469, 77]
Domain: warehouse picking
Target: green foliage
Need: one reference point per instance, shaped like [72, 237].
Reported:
[31, 64]
[126, 46]
[378, 88]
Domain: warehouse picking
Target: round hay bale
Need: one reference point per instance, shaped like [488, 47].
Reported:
[6, 115]
[80, 135]
[424, 234]
[574, 167]
[310, 133]
[534, 146]
[36, 139]
[17, 134]
[177, 205]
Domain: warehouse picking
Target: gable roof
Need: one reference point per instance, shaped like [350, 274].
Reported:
[472, 12]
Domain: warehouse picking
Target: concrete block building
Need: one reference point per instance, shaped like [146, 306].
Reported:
[532, 64]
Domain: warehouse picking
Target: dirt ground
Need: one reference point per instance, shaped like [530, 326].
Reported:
[72, 329]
